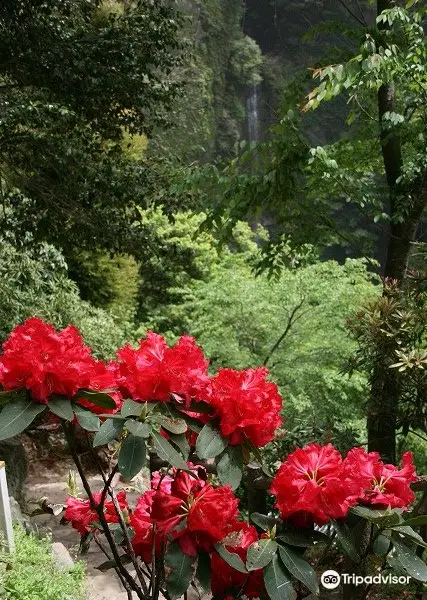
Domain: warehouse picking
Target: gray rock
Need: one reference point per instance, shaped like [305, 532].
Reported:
[16, 512]
[12, 452]
[61, 557]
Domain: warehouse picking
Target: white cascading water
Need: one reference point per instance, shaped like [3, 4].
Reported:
[252, 114]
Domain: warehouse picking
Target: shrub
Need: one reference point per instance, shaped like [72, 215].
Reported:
[32, 575]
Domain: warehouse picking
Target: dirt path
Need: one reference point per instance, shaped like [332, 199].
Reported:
[46, 479]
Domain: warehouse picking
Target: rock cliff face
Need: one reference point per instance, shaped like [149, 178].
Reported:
[245, 54]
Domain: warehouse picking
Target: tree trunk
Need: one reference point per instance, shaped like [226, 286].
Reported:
[385, 393]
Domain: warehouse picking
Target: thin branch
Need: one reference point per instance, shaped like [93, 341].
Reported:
[291, 320]
[108, 489]
[100, 512]
[353, 14]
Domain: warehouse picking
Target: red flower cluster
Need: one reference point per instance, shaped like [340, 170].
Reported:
[84, 518]
[141, 523]
[154, 371]
[315, 484]
[48, 362]
[45, 361]
[226, 581]
[194, 512]
[248, 405]
[387, 485]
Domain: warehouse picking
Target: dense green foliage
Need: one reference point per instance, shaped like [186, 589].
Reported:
[74, 77]
[34, 281]
[31, 574]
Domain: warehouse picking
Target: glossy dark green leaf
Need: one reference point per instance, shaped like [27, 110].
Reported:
[410, 534]
[210, 442]
[181, 442]
[179, 570]
[130, 408]
[263, 521]
[381, 517]
[346, 541]
[203, 572]
[172, 424]
[381, 545]
[231, 559]
[109, 431]
[99, 398]
[277, 581]
[416, 521]
[230, 467]
[17, 416]
[299, 568]
[138, 428]
[260, 553]
[405, 559]
[167, 452]
[61, 407]
[132, 456]
[7, 396]
[302, 538]
[86, 419]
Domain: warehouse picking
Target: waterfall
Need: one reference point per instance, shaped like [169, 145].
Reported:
[252, 114]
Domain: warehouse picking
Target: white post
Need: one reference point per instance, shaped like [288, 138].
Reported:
[5, 515]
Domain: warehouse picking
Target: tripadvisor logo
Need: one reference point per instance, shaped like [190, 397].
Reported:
[331, 579]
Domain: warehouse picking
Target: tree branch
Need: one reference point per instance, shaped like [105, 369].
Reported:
[291, 320]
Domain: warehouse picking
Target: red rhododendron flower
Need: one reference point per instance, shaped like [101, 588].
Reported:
[103, 378]
[154, 370]
[142, 525]
[83, 517]
[386, 484]
[226, 581]
[247, 404]
[45, 361]
[313, 485]
[204, 514]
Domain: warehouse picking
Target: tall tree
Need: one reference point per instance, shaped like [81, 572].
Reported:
[377, 170]
[75, 77]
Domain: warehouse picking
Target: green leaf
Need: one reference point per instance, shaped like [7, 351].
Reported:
[130, 408]
[231, 559]
[172, 424]
[260, 554]
[179, 570]
[210, 442]
[193, 423]
[415, 521]
[203, 572]
[408, 532]
[16, 417]
[166, 451]
[230, 467]
[138, 428]
[108, 432]
[346, 541]
[299, 568]
[302, 538]
[381, 517]
[381, 545]
[61, 407]
[263, 521]
[277, 581]
[99, 398]
[86, 419]
[408, 561]
[181, 442]
[132, 456]
[7, 396]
